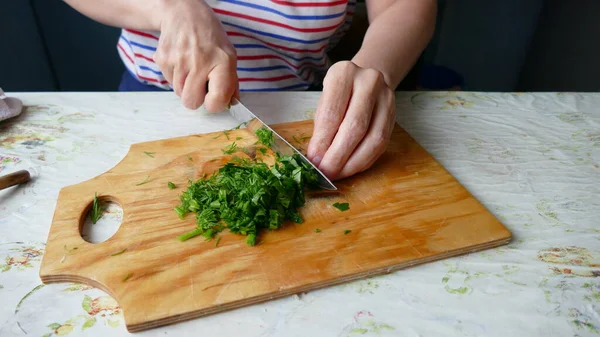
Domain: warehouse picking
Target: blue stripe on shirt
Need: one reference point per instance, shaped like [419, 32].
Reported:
[274, 11]
[137, 44]
[259, 46]
[281, 37]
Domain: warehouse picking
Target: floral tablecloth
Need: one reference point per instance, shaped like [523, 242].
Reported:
[531, 158]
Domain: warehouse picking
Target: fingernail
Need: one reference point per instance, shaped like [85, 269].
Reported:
[317, 160]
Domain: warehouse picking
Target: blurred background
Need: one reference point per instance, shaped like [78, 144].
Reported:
[492, 45]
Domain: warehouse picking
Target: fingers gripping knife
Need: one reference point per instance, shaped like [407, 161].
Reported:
[253, 123]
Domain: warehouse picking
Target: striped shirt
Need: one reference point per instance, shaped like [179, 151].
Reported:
[280, 45]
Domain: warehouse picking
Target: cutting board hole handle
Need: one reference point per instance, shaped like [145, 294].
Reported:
[109, 215]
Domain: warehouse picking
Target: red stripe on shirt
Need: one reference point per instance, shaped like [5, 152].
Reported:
[267, 79]
[264, 57]
[310, 4]
[136, 32]
[274, 23]
[149, 79]
[318, 50]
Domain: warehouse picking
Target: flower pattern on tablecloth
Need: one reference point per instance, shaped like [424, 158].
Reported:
[21, 258]
[531, 158]
[6, 161]
[103, 308]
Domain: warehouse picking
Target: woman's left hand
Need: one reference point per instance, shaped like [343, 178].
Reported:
[354, 120]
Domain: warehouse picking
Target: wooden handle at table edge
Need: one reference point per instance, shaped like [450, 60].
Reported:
[15, 178]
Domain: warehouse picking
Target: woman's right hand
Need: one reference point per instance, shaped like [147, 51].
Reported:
[193, 49]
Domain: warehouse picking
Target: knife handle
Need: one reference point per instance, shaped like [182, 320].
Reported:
[15, 178]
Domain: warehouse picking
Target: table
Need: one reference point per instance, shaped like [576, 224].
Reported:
[531, 158]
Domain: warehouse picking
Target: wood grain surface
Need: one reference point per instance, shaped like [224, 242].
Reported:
[406, 210]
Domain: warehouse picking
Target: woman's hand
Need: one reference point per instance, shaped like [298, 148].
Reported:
[354, 120]
[194, 49]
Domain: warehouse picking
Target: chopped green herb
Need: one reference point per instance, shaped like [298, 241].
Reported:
[262, 150]
[69, 250]
[143, 182]
[347, 231]
[317, 230]
[342, 207]
[119, 252]
[190, 158]
[171, 185]
[265, 136]
[217, 242]
[226, 133]
[127, 277]
[240, 125]
[251, 239]
[246, 195]
[149, 154]
[96, 209]
[229, 149]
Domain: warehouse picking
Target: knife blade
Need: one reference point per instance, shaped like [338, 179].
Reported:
[252, 122]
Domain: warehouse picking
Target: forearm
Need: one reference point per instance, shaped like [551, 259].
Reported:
[133, 14]
[398, 33]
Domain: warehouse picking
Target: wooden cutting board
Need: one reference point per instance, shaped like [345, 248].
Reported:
[406, 210]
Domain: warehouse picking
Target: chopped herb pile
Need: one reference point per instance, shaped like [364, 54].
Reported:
[342, 207]
[265, 136]
[96, 209]
[246, 196]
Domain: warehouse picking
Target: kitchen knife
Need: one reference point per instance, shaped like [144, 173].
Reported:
[253, 123]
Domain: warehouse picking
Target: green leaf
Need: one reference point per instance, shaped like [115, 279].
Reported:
[143, 182]
[64, 330]
[113, 324]
[342, 206]
[88, 323]
[96, 209]
[6, 267]
[171, 185]
[87, 304]
[54, 326]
